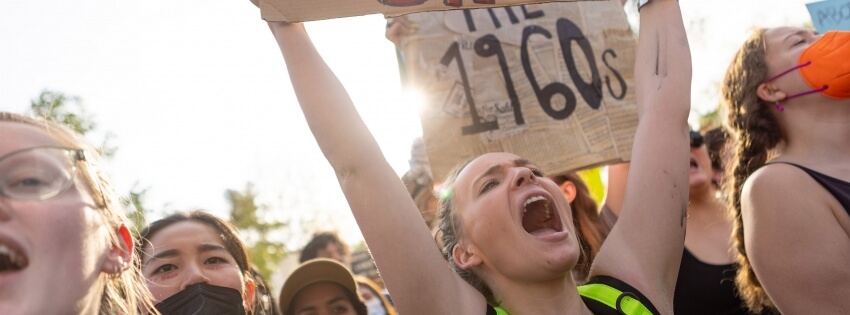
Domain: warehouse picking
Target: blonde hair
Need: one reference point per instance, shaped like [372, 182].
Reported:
[450, 234]
[126, 293]
[754, 133]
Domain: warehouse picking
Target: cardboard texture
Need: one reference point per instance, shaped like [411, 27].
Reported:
[550, 82]
[311, 10]
[830, 15]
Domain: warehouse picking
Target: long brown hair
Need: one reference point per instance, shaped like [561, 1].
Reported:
[754, 132]
[586, 221]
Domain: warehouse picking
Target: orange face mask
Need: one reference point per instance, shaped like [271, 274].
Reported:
[825, 66]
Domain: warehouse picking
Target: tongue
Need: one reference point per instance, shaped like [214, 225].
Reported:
[535, 221]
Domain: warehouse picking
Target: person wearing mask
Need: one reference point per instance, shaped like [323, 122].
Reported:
[376, 302]
[195, 263]
[787, 95]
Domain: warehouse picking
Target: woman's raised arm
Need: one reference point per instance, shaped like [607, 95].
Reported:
[645, 247]
[410, 262]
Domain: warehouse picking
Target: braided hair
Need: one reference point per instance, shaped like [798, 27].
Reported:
[754, 133]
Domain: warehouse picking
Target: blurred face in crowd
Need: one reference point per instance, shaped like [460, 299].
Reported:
[323, 298]
[372, 299]
[702, 172]
[333, 251]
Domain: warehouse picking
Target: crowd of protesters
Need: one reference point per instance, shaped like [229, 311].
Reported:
[757, 222]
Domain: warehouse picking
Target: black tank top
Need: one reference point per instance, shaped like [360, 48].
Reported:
[706, 289]
[838, 188]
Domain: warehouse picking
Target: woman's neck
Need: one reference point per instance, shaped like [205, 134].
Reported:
[709, 229]
[555, 297]
[702, 194]
[706, 208]
[819, 133]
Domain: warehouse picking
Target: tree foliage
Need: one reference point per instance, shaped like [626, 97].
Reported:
[256, 229]
[136, 210]
[70, 111]
[62, 108]
[711, 120]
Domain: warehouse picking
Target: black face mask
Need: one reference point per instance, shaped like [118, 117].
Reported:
[202, 298]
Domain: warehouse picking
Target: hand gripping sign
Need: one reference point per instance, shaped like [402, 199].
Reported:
[550, 82]
[310, 10]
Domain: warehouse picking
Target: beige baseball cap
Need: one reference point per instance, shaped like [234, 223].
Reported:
[315, 271]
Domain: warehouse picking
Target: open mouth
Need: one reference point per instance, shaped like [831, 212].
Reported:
[539, 216]
[11, 259]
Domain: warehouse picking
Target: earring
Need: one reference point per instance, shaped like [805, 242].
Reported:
[779, 107]
[118, 269]
[115, 272]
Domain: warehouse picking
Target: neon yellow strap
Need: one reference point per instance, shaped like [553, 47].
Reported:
[605, 294]
[500, 311]
[629, 304]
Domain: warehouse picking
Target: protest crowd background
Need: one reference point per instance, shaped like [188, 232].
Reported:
[185, 179]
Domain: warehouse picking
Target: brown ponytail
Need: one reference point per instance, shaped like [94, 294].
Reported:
[754, 132]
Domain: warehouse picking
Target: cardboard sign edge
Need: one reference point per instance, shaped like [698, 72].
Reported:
[272, 13]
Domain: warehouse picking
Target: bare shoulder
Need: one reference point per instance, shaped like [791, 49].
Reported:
[781, 186]
[785, 212]
[777, 171]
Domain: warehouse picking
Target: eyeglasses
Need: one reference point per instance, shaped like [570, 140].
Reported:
[38, 173]
[696, 139]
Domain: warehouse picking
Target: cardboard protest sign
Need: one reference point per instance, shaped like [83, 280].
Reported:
[550, 82]
[830, 15]
[311, 10]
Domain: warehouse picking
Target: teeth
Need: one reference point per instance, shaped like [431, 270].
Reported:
[547, 212]
[533, 199]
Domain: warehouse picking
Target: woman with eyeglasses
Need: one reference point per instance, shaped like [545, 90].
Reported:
[506, 228]
[64, 243]
[787, 95]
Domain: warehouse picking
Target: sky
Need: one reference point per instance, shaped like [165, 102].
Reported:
[196, 94]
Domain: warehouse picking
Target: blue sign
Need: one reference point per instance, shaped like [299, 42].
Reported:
[830, 15]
